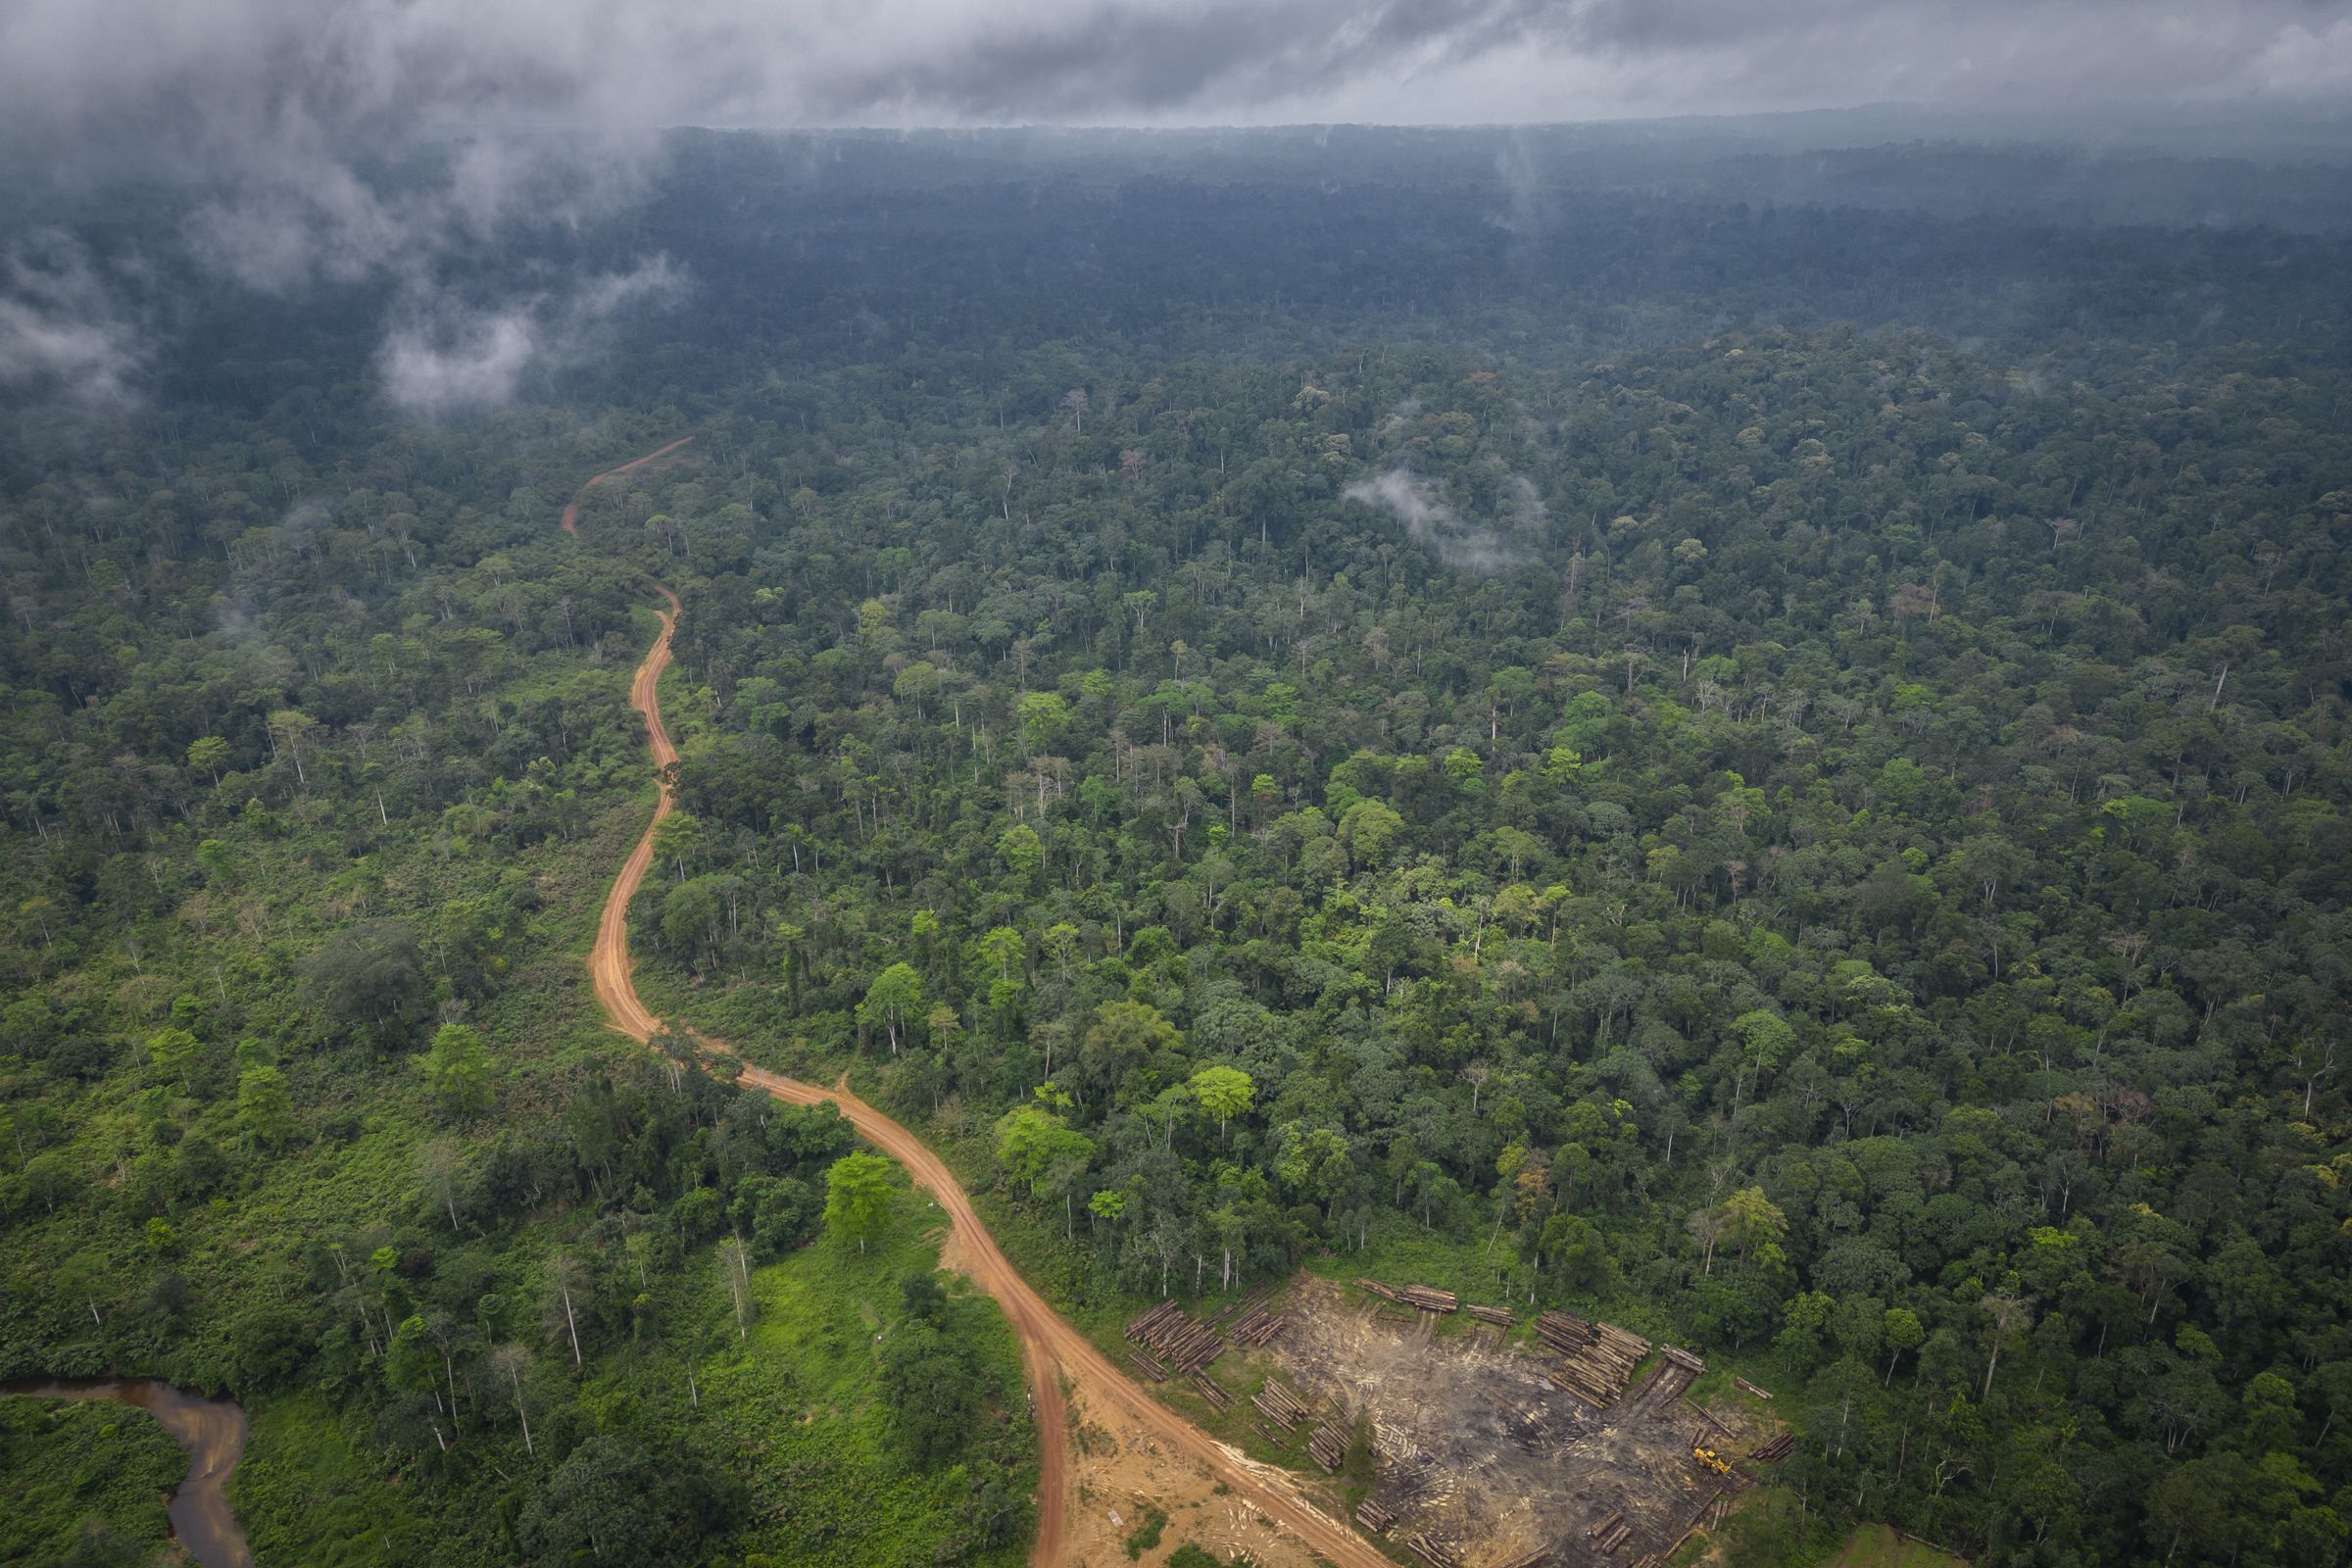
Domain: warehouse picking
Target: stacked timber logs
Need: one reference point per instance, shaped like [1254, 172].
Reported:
[1598, 1359]
[1255, 1325]
[1428, 1299]
[1617, 1537]
[1374, 1517]
[1329, 1445]
[1563, 1332]
[1747, 1387]
[1148, 1366]
[1498, 1315]
[1281, 1407]
[1383, 1292]
[1176, 1338]
[1605, 1523]
[1775, 1447]
[1438, 1554]
[1207, 1388]
[1241, 1304]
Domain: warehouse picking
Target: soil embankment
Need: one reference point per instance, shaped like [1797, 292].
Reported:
[1052, 1351]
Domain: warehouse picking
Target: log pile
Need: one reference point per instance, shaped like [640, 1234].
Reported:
[1377, 1289]
[1239, 1303]
[1281, 1407]
[1500, 1316]
[1207, 1388]
[1749, 1388]
[1176, 1338]
[1373, 1517]
[1148, 1366]
[1605, 1523]
[1329, 1445]
[1617, 1537]
[1255, 1325]
[1427, 1298]
[1775, 1447]
[1437, 1553]
[1598, 1359]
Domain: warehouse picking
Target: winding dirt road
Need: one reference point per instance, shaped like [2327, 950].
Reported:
[571, 513]
[1050, 1348]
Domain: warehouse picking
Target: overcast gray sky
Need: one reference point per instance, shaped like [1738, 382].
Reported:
[181, 76]
[266, 110]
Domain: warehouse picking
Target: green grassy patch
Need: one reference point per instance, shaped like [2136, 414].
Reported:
[795, 1400]
[310, 1490]
[1876, 1546]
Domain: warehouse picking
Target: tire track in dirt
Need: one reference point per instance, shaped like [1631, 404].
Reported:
[1050, 1348]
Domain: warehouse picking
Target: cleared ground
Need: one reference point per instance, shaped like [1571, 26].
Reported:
[1477, 1449]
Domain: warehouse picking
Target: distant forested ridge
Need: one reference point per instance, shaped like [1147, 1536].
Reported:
[1778, 773]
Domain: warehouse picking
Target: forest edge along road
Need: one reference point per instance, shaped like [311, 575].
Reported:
[571, 513]
[1051, 1348]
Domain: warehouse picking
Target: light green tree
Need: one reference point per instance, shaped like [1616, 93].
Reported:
[457, 1069]
[1368, 830]
[1765, 1041]
[857, 1198]
[1224, 1093]
[1021, 849]
[206, 754]
[678, 841]
[1752, 1220]
[896, 993]
[1004, 947]
[173, 1052]
[1904, 1331]
[1044, 716]
[265, 1111]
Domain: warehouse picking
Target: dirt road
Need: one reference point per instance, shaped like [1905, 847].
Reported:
[1050, 1348]
[571, 513]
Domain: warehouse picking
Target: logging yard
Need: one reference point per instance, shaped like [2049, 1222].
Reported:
[1479, 1437]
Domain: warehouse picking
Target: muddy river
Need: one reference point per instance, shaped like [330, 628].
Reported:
[212, 1431]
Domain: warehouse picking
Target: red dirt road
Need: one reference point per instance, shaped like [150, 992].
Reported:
[1050, 1348]
[571, 513]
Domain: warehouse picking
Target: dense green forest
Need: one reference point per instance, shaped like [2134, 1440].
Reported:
[1778, 773]
[1864, 872]
[307, 1096]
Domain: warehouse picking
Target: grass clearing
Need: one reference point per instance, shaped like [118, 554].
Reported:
[1877, 1545]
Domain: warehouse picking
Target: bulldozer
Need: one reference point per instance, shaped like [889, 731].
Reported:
[1709, 1460]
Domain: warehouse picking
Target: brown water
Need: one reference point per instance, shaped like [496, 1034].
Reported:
[212, 1431]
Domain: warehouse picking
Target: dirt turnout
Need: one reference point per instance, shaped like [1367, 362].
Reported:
[1052, 1351]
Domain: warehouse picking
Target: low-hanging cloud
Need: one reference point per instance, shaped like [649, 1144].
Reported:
[441, 358]
[63, 326]
[1433, 522]
[376, 138]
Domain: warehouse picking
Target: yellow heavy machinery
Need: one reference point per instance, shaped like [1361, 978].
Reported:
[1709, 1460]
